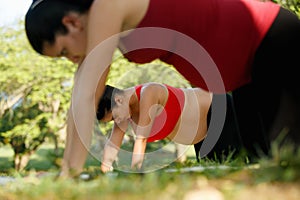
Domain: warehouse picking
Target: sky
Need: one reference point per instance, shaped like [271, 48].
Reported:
[11, 11]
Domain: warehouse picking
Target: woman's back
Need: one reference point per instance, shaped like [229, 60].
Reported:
[229, 30]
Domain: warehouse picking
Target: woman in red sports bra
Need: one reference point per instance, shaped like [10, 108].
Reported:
[154, 111]
[250, 44]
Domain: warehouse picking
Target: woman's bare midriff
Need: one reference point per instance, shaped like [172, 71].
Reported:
[191, 128]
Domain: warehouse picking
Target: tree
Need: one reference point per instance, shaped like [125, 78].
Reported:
[34, 95]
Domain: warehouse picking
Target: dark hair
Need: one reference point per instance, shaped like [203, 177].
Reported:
[43, 20]
[107, 101]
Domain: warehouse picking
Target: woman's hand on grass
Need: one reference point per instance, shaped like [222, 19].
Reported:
[106, 168]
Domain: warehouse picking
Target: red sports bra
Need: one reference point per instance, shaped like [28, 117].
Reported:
[165, 122]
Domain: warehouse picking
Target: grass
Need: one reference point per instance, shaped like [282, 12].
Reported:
[274, 177]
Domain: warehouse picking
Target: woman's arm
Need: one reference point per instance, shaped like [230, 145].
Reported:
[148, 111]
[105, 20]
[112, 146]
[69, 136]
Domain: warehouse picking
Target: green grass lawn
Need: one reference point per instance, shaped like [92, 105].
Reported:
[272, 178]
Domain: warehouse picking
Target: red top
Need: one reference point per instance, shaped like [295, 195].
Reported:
[229, 30]
[165, 122]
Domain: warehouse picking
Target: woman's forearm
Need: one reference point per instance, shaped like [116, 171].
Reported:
[109, 156]
[75, 152]
[68, 141]
[142, 133]
[112, 146]
[138, 152]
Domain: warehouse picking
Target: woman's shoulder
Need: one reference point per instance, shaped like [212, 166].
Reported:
[153, 86]
[131, 11]
[154, 90]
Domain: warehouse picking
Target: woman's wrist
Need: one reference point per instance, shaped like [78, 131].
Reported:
[140, 137]
[107, 166]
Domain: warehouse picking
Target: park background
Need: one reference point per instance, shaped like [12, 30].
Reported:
[34, 98]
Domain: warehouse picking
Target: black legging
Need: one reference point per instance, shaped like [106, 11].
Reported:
[272, 101]
[270, 105]
[229, 141]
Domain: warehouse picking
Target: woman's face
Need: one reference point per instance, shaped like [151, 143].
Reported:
[120, 112]
[72, 45]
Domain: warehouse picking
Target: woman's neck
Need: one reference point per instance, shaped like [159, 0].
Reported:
[132, 100]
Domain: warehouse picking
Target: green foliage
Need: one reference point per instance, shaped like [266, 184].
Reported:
[34, 93]
[292, 5]
[126, 74]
